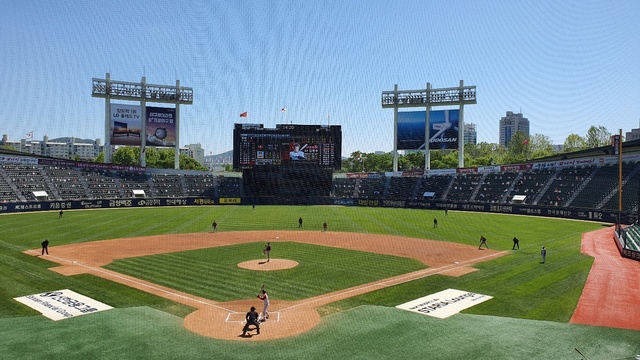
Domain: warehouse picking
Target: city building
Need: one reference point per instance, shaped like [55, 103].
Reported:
[194, 151]
[71, 149]
[510, 124]
[634, 134]
[470, 134]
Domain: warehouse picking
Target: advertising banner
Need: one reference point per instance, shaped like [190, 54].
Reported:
[126, 125]
[62, 304]
[443, 129]
[160, 126]
[444, 303]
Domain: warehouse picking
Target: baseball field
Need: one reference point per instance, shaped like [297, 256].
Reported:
[179, 290]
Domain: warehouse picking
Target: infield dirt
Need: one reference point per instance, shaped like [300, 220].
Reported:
[223, 320]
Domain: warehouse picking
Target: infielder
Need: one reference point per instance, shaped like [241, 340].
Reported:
[265, 302]
[267, 251]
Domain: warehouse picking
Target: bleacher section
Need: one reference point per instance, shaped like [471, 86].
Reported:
[495, 187]
[200, 185]
[531, 183]
[101, 184]
[344, 188]
[229, 187]
[371, 188]
[130, 181]
[166, 185]
[630, 191]
[67, 182]
[401, 188]
[463, 187]
[564, 184]
[436, 185]
[6, 191]
[27, 179]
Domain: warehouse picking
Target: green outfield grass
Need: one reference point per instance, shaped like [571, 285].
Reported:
[529, 298]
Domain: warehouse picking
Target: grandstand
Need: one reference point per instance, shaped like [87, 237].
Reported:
[589, 187]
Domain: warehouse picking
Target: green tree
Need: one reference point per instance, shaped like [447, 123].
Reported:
[354, 162]
[125, 155]
[187, 163]
[413, 161]
[517, 150]
[539, 146]
[597, 136]
[482, 154]
[8, 147]
[574, 142]
[99, 158]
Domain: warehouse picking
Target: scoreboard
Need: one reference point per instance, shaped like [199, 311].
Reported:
[287, 145]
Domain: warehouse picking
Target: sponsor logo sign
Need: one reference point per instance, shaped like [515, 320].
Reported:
[62, 304]
[444, 303]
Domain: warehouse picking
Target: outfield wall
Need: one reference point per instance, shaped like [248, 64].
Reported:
[529, 210]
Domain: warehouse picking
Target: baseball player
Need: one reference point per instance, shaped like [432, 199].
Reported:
[267, 251]
[252, 319]
[265, 302]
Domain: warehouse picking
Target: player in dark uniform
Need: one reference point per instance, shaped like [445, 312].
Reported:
[267, 251]
[483, 241]
[516, 243]
[45, 247]
[252, 319]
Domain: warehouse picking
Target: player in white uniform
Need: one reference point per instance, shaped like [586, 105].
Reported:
[265, 302]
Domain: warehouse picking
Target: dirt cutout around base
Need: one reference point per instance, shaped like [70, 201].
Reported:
[220, 319]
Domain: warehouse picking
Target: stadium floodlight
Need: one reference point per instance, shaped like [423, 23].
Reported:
[142, 92]
[428, 98]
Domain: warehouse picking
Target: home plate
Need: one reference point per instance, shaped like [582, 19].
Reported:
[444, 303]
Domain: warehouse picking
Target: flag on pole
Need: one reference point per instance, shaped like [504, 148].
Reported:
[244, 114]
[283, 109]
[29, 135]
[526, 141]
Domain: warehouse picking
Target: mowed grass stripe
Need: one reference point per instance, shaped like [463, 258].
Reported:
[511, 279]
[322, 269]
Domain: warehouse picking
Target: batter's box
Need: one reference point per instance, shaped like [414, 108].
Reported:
[239, 317]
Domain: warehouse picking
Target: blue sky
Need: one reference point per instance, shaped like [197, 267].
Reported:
[565, 65]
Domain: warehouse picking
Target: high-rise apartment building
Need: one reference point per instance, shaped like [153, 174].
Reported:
[470, 134]
[510, 124]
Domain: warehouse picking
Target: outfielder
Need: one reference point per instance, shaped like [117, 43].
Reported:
[265, 302]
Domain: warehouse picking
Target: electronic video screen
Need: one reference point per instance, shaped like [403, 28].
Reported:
[254, 145]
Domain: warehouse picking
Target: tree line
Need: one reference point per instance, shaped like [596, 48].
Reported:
[521, 148]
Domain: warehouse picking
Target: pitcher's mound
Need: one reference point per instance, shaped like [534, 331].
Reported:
[263, 265]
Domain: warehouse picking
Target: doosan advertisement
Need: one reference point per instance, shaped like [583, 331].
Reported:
[443, 129]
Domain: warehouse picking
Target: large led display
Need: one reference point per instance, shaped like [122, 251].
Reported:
[443, 129]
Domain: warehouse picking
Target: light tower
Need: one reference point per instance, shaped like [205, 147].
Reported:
[427, 98]
[142, 92]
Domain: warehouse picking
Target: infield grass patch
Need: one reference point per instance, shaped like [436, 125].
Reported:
[213, 273]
